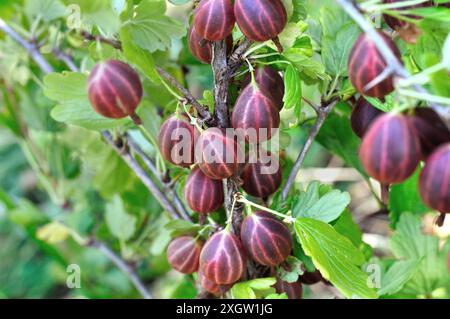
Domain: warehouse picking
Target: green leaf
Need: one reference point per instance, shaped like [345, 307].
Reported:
[113, 176]
[387, 106]
[292, 272]
[121, 224]
[410, 243]
[397, 276]
[252, 289]
[404, 198]
[325, 208]
[69, 90]
[182, 227]
[335, 257]
[47, 10]
[337, 43]
[348, 228]
[337, 136]
[151, 29]
[53, 233]
[293, 88]
[138, 56]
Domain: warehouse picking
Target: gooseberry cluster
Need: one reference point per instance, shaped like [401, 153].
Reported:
[393, 145]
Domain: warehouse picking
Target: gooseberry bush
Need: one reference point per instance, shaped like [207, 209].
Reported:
[226, 148]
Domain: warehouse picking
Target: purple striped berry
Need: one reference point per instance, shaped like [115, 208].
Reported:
[203, 194]
[218, 155]
[293, 290]
[363, 116]
[176, 141]
[366, 64]
[262, 179]
[115, 90]
[223, 259]
[390, 151]
[430, 128]
[435, 180]
[398, 24]
[256, 114]
[201, 48]
[214, 19]
[210, 286]
[266, 239]
[270, 81]
[183, 254]
[260, 20]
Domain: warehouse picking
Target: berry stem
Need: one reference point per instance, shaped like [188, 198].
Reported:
[245, 201]
[385, 193]
[136, 119]
[440, 220]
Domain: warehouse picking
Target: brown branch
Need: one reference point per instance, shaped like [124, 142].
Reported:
[122, 148]
[221, 83]
[168, 185]
[98, 38]
[32, 49]
[221, 90]
[322, 114]
[392, 62]
[123, 266]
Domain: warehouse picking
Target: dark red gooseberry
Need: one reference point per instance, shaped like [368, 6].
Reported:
[270, 81]
[256, 114]
[390, 150]
[311, 278]
[176, 141]
[262, 179]
[218, 154]
[214, 19]
[366, 64]
[266, 239]
[435, 180]
[201, 48]
[183, 254]
[115, 90]
[363, 116]
[203, 194]
[292, 290]
[210, 286]
[396, 23]
[223, 259]
[260, 20]
[431, 130]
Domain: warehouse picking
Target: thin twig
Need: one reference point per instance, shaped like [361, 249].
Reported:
[202, 110]
[122, 149]
[66, 58]
[322, 114]
[98, 38]
[236, 58]
[168, 186]
[123, 266]
[32, 49]
[391, 60]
